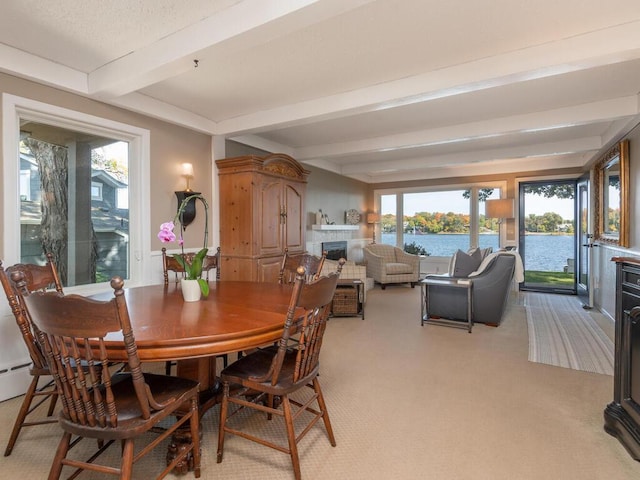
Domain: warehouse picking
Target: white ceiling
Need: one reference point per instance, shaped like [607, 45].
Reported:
[382, 90]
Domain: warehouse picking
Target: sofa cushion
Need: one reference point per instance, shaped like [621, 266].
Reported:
[464, 264]
[394, 268]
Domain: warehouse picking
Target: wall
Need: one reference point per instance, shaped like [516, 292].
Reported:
[603, 268]
[334, 195]
[170, 145]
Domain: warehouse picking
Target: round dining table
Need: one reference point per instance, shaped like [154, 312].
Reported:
[235, 316]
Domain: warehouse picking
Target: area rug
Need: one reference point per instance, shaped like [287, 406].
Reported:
[563, 334]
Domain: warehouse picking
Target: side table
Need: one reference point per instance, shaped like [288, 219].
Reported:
[448, 283]
[348, 301]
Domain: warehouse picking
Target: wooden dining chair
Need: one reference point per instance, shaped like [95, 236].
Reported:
[96, 403]
[36, 277]
[268, 378]
[290, 263]
[170, 264]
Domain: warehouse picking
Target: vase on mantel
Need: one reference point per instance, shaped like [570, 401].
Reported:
[190, 290]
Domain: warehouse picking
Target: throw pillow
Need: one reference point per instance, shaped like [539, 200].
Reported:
[465, 264]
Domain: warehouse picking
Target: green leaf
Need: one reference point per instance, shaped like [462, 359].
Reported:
[204, 287]
[181, 261]
[196, 264]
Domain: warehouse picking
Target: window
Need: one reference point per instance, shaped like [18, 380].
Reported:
[439, 221]
[96, 191]
[96, 241]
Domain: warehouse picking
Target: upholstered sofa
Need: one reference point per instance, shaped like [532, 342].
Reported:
[492, 282]
[389, 264]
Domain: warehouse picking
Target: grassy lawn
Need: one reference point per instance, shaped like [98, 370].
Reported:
[548, 278]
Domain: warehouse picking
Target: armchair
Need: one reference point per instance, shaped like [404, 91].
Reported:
[389, 264]
[491, 287]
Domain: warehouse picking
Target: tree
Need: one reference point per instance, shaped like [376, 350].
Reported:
[551, 190]
[483, 194]
[550, 221]
[53, 169]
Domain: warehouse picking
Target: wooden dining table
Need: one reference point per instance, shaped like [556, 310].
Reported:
[235, 316]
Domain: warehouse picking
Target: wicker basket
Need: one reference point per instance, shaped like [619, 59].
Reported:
[345, 301]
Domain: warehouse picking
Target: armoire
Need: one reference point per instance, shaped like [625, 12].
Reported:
[261, 213]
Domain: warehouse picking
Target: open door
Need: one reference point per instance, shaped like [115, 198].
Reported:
[547, 235]
[584, 246]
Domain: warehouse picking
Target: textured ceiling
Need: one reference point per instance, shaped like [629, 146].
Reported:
[382, 90]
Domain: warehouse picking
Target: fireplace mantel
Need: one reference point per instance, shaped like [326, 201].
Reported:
[335, 227]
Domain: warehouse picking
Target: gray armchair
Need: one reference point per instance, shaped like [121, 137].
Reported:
[491, 287]
[389, 264]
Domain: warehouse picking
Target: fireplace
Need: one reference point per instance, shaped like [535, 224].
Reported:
[335, 250]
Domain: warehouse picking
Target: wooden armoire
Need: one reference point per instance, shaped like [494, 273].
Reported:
[261, 213]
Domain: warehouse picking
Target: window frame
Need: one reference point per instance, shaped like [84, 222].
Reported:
[15, 108]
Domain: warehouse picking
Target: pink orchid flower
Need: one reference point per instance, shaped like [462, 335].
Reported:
[166, 234]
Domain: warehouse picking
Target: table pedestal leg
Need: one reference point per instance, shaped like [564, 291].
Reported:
[204, 371]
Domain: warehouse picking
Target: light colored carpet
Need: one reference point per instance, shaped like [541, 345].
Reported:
[563, 334]
[412, 403]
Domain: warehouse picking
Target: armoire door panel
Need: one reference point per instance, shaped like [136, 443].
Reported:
[294, 228]
[271, 218]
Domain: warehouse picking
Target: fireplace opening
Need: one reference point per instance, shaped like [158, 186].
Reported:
[335, 250]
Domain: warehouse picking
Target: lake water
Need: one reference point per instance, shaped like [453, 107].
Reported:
[543, 252]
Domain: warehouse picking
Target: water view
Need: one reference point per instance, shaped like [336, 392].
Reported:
[543, 252]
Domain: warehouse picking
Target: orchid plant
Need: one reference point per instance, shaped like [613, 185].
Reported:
[192, 269]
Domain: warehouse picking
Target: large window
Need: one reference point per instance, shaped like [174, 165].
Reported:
[72, 194]
[438, 222]
[72, 211]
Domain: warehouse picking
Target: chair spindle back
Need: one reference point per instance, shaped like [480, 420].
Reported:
[36, 278]
[305, 323]
[170, 264]
[71, 330]
[290, 263]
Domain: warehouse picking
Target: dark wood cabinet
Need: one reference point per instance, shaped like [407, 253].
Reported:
[622, 415]
[261, 214]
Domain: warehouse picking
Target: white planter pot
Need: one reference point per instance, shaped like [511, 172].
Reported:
[190, 290]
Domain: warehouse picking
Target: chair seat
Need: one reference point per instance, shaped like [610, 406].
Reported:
[393, 268]
[257, 364]
[164, 389]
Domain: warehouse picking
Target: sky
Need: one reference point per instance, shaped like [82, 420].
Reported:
[454, 202]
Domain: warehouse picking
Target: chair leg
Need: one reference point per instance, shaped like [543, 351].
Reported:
[52, 404]
[195, 437]
[325, 413]
[167, 367]
[291, 437]
[22, 414]
[61, 453]
[126, 465]
[224, 406]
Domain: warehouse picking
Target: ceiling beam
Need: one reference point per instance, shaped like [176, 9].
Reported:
[241, 26]
[551, 119]
[487, 168]
[602, 47]
[579, 145]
